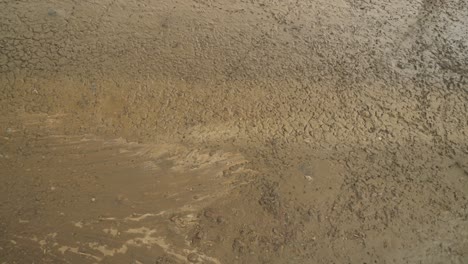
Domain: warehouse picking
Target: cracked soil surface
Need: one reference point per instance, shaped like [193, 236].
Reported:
[233, 131]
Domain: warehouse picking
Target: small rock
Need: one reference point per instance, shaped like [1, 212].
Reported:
[192, 257]
[52, 12]
[366, 114]
[93, 199]
[211, 214]
[120, 199]
[52, 188]
[220, 220]
[199, 235]
[309, 178]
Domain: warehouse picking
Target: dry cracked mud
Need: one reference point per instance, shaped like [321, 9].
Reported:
[233, 131]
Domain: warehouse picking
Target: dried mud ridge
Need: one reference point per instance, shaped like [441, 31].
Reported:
[234, 131]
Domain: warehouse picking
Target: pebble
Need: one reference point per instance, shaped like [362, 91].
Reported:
[192, 257]
[220, 220]
[366, 114]
[199, 235]
[52, 12]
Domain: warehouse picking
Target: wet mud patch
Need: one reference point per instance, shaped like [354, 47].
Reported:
[114, 201]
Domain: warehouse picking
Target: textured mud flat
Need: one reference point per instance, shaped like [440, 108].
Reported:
[234, 131]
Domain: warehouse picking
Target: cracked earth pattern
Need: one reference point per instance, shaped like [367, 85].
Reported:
[234, 131]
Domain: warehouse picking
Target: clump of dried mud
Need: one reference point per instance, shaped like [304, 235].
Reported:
[234, 131]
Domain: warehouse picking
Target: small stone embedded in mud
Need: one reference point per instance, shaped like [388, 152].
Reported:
[220, 220]
[366, 114]
[309, 178]
[52, 12]
[120, 199]
[200, 235]
[211, 214]
[93, 199]
[238, 246]
[192, 257]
